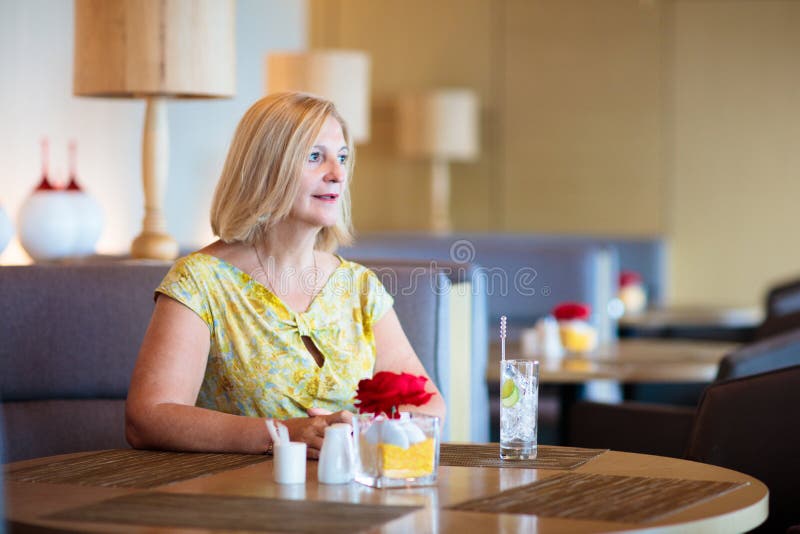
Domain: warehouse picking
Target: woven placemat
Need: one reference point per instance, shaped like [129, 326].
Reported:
[600, 497]
[235, 513]
[488, 455]
[132, 468]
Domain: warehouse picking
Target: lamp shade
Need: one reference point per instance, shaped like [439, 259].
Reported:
[156, 50]
[173, 48]
[441, 124]
[341, 76]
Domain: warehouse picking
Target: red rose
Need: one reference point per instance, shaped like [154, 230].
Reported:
[627, 278]
[385, 392]
[572, 310]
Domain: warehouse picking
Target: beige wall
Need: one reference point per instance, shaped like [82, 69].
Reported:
[415, 44]
[736, 152]
[570, 94]
[581, 117]
[678, 118]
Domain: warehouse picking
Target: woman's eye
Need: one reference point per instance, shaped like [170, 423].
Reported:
[314, 156]
[342, 158]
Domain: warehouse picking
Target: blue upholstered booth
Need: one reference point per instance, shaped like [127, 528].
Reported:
[527, 275]
[71, 334]
[468, 396]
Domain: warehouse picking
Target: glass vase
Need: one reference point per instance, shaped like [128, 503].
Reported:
[396, 453]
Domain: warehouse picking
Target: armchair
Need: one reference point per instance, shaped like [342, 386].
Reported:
[664, 429]
[751, 425]
[783, 310]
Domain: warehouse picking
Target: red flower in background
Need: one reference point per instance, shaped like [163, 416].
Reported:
[627, 278]
[385, 392]
[568, 311]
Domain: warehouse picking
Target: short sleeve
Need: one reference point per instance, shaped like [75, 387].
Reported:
[376, 301]
[184, 284]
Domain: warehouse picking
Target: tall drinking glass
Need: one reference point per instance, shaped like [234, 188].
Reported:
[519, 401]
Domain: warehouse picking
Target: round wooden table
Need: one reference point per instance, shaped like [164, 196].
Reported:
[739, 509]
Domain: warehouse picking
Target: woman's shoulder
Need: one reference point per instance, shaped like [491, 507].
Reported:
[221, 252]
[353, 268]
[195, 262]
[187, 272]
[215, 256]
[369, 285]
[201, 265]
[202, 272]
[363, 278]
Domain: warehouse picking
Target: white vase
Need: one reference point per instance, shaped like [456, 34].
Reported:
[88, 215]
[6, 229]
[48, 227]
[89, 221]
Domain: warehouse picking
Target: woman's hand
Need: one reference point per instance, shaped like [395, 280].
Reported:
[311, 430]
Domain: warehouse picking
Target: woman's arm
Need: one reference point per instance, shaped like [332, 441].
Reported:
[160, 412]
[395, 354]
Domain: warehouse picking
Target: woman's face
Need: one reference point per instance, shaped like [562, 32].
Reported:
[323, 178]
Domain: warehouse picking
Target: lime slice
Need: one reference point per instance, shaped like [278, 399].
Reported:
[508, 388]
[512, 399]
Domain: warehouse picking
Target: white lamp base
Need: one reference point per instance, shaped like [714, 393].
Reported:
[440, 196]
[154, 246]
[154, 242]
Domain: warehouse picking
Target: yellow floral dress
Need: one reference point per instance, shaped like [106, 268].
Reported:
[257, 364]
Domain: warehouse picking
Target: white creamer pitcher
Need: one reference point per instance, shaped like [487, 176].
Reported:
[336, 457]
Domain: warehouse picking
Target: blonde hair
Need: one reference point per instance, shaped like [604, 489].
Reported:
[260, 179]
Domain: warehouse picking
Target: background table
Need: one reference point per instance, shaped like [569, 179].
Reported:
[740, 509]
[694, 322]
[629, 362]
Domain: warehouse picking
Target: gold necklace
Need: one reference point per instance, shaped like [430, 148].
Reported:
[269, 282]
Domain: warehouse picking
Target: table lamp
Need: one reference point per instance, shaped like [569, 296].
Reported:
[155, 50]
[440, 125]
[341, 76]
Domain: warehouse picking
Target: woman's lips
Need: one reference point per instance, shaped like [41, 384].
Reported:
[332, 197]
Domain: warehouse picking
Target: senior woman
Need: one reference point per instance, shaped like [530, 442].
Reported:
[267, 322]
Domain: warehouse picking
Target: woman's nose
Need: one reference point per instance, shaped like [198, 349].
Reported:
[336, 172]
